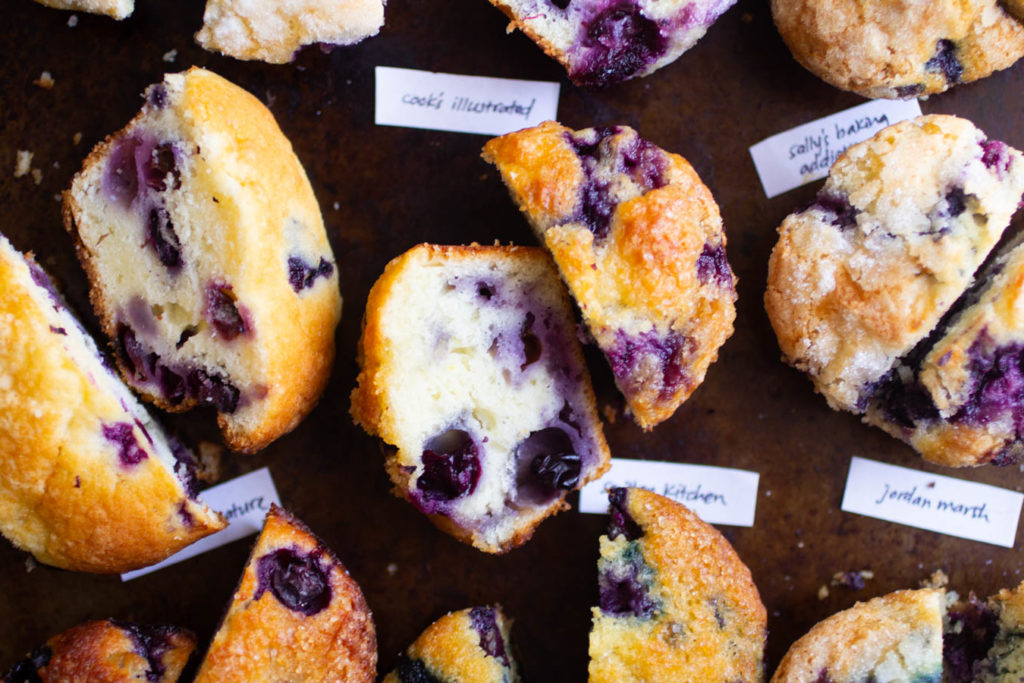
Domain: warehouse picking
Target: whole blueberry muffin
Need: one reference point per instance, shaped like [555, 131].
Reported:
[296, 615]
[274, 31]
[118, 9]
[471, 369]
[90, 481]
[209, 262]
[676, 602]
[864, 274]
[108, 651]
[897, 638]
[639, 240]
[468, 646]
[957, 399]
[896, 48]
[600, 42]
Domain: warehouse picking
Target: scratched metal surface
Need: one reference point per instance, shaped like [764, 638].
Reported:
[396, 187]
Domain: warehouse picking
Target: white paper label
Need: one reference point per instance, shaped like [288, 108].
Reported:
[244, 501]
[805, 153]
[462, 104]
[930, 501]
[717, 495]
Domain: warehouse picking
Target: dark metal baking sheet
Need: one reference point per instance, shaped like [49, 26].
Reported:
[385, 189]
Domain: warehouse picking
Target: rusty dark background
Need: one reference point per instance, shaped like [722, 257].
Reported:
[383, 190]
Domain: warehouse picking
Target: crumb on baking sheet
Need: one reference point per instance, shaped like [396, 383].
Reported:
[45, 80]
[30, 564]
[854, 580]
[823, 592]
[609, 414]
[37, 176]
[76, 138]
[73, 21]
[208, 467]
[170, 56]
[23, 164]
[392, 568]
[938, 579]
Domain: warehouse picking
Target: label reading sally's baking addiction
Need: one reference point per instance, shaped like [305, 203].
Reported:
[462, 104]
[718, 495]
[805, 153]
[955, 507]
[244, 502]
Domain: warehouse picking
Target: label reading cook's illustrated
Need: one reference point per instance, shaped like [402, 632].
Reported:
[717, 495]
[462, 104]
[930, 501]
[244, 502]
[805, 153]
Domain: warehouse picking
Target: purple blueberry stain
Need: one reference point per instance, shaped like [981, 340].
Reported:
[27, 670]
[303, 275]
[532, 347]
[645, 163]
[837, 207]
[996, 156]
[160, 166]
[451, 469]
[906, 92]
[617, 44]
[623, 590]
[120, 180]
[185, 465]
[157, 96]
[58, 330]
[633, 358]
[713, 266]
[411, 670]
[485, 622]
[622, 523]
[945, 61]
[161, 236]
[123, 436]
[971, 633]
[42, 279]
[151, 642]
[955, 202]
[226, 317]
[296, 579]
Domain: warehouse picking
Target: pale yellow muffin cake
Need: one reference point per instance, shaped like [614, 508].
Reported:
[296, 615]
[470, 367]
[469, 646]
[107, 651]
[896, 638]
[676, 602]
[118, 9]
[899, 48]
[274, 30]
[639, 240]
[209, 262]
[88, 480]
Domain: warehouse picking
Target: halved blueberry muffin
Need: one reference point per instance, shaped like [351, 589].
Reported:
[676, 602]
[896, 638]
[865, 273]
[118, 9]
[897, 49]
[108, 651]
[639, 240]
[88, 482]
[209, 263]
[296, 616]
[471, 369]
[601, 42]
[468, 646]
[274, 31]
[984, 641]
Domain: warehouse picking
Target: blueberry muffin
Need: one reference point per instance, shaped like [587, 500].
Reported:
[274, 31]
[895, 638]
[600, 43]
[90, 482]
[676, 602]
[471, 369]
[108, 652]
[296, 616]
[896, 48]
[957, 400]
[866, 272]
[118, 9]
[639, 240]
[984, 642]
[469, 646]
[209, 263]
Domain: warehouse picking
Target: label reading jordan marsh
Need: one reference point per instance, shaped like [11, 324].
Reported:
[955, 507]
[462, 104]
[805, 153]
[718, 495]
[244, 502]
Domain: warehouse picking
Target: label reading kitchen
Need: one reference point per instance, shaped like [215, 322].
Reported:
[461, 104]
